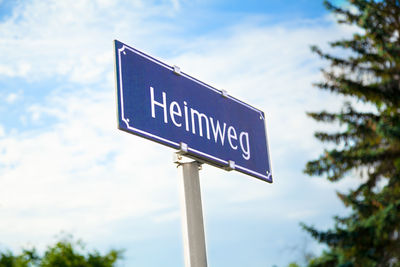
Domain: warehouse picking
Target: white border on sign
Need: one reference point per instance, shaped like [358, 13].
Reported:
[126, 120]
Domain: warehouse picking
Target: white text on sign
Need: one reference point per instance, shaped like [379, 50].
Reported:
[174, 110]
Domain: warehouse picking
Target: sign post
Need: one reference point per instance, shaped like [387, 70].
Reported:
[165, 105]
[194, 244]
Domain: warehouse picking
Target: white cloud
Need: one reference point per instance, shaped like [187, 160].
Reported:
[11, 98]
[80, 173]
[73, 39]
[5, 70]
[176, 4]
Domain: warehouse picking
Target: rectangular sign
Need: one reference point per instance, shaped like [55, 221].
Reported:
[163, 104]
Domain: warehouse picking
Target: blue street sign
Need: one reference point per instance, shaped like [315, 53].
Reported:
[163, 104]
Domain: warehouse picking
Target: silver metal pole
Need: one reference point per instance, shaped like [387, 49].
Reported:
[194, 244]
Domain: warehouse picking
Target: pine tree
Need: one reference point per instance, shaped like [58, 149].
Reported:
[367, 144]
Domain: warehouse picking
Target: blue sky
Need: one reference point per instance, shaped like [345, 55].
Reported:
[64, 166]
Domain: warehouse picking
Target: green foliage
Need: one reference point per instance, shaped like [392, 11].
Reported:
[369, 142]
[26, 259]
[64, 253]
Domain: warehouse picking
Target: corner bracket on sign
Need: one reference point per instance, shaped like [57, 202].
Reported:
[231, 165]
[176, 70]
[261, 116]
[224, 93]
[269, 175]
[183, 148]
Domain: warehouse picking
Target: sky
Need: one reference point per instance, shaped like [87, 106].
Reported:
[66, 168]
